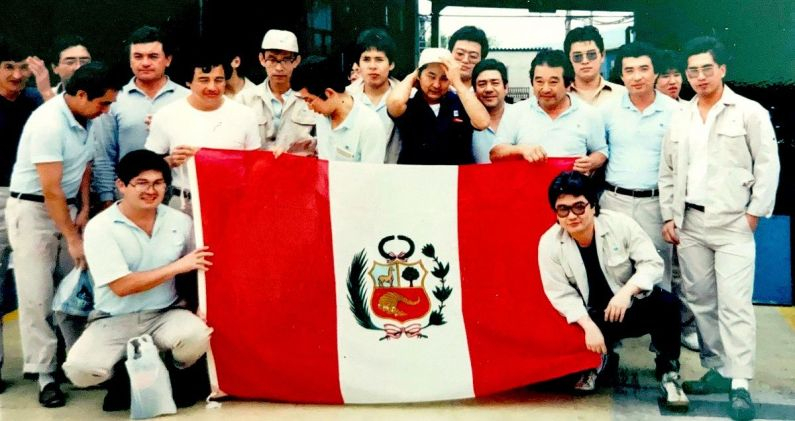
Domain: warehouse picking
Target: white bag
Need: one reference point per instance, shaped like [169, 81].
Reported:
[150, 387]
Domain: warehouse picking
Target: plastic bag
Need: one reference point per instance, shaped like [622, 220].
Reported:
[75, 294]
[150, 387]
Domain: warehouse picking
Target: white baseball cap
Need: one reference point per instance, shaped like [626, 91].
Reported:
[433, 55]
[276, 39]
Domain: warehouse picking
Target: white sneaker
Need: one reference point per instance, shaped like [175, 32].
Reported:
[587, 382]
[673, 396]
[690, 341]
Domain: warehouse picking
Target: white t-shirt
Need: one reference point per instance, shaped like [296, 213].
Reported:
[232, 126]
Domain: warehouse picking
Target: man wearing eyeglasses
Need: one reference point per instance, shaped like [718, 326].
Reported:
[69, 53]
[601, 271]
[586, 49]
[718, 176]
[126, 126]
[135, 249]
[283, 120]
[469, 45]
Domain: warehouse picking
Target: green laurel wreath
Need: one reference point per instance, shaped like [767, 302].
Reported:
[442, 292]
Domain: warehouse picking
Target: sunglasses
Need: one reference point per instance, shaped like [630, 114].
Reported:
[590, 55]
[577, 208]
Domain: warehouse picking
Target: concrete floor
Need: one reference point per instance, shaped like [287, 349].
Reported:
[635, 398]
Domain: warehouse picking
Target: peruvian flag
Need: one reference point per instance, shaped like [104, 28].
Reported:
[357, 283]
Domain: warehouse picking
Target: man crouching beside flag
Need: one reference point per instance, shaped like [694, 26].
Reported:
[599, 270]
[134, 250]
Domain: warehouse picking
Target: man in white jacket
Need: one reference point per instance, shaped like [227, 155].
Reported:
[600, 270]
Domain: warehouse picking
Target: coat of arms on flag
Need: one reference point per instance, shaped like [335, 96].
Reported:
[398, 290]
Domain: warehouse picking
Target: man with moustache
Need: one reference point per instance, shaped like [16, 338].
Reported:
[44, 226]
[205, 118]
[491, 86]
[126, 127]
[718, 176]
[553, 122]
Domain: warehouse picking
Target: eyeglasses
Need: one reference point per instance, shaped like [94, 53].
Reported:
[71, 61]
[273, 61]
[590, 55]
[578, 209]
[144, 186]
[707, 71]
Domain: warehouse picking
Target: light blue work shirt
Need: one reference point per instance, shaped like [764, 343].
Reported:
[115, 247]
[359, 138]
[484, 140]
[578, 131]
[635, 139]
[52, 134]
[124, 130]
[277, 106]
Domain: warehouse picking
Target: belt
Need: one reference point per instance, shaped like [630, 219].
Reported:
[694, 207]
[176, 191]
[630, 192]
[37, 198]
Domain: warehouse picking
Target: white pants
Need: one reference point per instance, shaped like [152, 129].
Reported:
[104, 342]
[41, 260]
[718, 277]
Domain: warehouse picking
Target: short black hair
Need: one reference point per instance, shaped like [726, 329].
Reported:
[147, 34]
[668, 60]
[207, 57]
[470, 33]
[710, 45]
[10, 50]
[135, 162]
[583, 34]
[575, 184]
[553, 58]
[62, 43]
[636, 49]
[95, 79]
[317, 73]
[376, 39]
[490, 64]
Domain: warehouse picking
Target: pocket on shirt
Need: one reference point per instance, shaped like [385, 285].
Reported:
[619, 266]
[303, 116]
[735, 191]
[733, 146]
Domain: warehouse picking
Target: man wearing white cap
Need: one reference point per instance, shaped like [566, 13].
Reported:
[435, 124]
[282, 120]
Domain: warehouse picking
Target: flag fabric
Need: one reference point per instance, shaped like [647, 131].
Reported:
[362, 283]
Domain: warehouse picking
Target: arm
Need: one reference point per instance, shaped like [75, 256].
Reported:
[50, 174]
[596, 145]
[42, 75]
[665, 183]
[136, 282]
[478, 115]
[594, 340]
[764, 152]
[505, 151]
[397, 99]
[85, 186]
[561, 293]
[105, 134]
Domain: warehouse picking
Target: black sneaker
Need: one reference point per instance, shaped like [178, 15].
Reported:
[51, 396]
[742, 407]
[118, 396]
[711, 382]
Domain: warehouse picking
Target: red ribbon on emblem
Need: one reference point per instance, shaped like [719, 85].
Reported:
[394, 331]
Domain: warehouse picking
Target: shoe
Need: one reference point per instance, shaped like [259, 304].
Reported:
[673, 397]
[2, 386]
[742, 407]
[190, 384]
[586, 383]
[608, 371]
[51, 396]
[711, 382]
[690, 341]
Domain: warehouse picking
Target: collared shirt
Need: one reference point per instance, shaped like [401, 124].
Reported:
[13, 116]
[359, 138]
[356, 90]
[635, 141]
[484, 140]
[605, 93]
[698, 140]
[115, 247]
[428, 139]
[249, 87]
[52, 134]
[276, 106]
[576, 132]
[123, 130]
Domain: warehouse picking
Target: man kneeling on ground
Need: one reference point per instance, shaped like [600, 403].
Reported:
[134, 250]
[599, 270]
